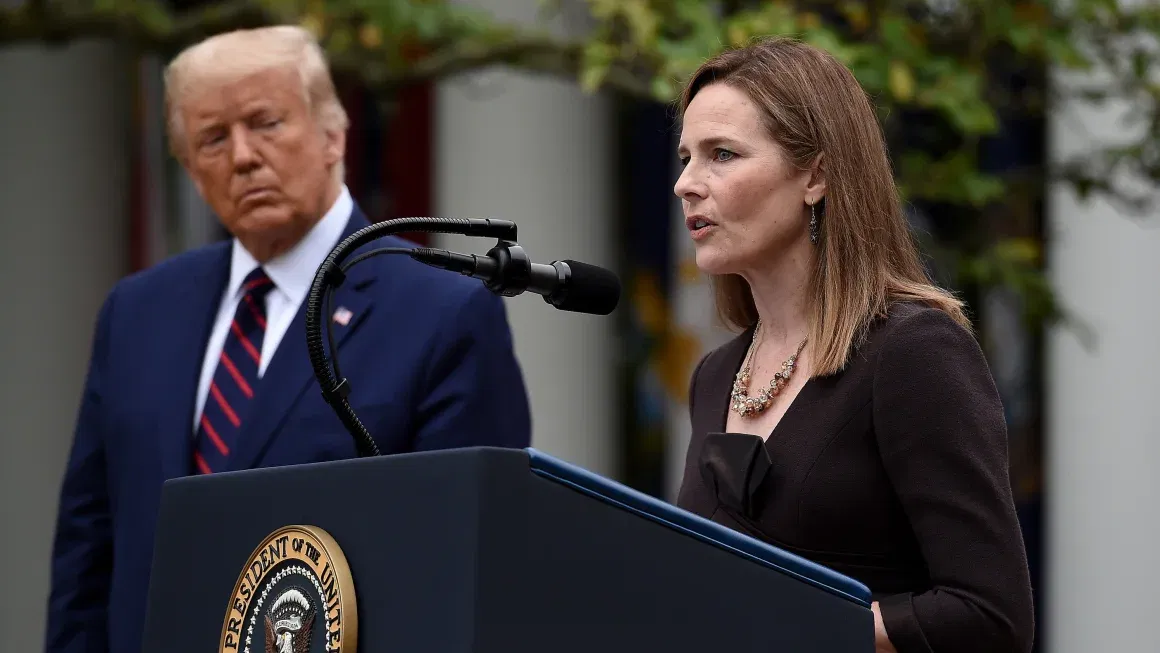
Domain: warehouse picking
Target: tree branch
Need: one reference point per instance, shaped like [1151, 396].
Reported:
[152, 28]
[392, 45]
[535, 54]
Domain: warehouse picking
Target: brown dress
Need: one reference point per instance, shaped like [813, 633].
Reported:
[893, 472]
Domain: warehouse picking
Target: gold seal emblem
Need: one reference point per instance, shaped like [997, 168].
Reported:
[295, 595]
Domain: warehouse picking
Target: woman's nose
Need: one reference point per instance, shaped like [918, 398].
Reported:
[687, 186]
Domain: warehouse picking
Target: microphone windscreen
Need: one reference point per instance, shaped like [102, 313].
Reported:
[591, 289]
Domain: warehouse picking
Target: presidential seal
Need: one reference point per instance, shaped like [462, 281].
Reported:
[295, 595]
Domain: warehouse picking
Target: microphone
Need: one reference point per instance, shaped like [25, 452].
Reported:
[507, 270]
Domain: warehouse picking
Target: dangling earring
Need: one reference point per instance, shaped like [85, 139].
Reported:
[813, 224]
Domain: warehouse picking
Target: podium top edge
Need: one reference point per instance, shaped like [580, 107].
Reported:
[659, 511]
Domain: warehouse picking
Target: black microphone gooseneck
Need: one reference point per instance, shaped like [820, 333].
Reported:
[332, 273]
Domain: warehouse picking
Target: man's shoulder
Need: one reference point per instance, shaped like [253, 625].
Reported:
[403, 279]
[175, 271]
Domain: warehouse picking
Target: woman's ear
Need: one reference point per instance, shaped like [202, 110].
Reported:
[816, 185]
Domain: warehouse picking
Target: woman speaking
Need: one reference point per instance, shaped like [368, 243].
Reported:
[853, 421]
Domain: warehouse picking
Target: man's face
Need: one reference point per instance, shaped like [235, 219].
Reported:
[260, 159]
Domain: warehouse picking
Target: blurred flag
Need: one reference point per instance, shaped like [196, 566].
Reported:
[150, 219]
[672, 317]
[647, 156]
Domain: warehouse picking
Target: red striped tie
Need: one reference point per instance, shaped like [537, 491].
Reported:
[236, 377]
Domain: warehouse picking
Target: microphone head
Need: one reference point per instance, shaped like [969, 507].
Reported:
[591, 289]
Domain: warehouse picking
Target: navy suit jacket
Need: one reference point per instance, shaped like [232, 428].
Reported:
[430, 361]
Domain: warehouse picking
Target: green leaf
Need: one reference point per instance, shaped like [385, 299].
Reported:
[901, 81]
[663, 89]
[954, 179]
[598, 59]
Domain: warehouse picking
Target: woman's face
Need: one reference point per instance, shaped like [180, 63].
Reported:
[744, 203]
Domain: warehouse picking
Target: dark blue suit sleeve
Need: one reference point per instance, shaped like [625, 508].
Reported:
[82, 556]
[474, 392]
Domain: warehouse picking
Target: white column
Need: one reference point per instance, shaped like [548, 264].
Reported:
[64, 214]
[1103, 415]
[536, 150]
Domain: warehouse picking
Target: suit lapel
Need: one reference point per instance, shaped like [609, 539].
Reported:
[289, 373]
[195, 305]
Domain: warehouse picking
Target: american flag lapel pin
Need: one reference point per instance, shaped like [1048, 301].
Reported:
[342, 316]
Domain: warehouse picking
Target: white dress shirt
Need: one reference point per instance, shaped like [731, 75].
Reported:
[292, 273]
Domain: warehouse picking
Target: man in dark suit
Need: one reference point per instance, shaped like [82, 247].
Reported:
[200, 365]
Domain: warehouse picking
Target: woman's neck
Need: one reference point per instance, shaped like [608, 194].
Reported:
[780, 295]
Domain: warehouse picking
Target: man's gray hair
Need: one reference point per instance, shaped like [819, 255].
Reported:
[233, 55]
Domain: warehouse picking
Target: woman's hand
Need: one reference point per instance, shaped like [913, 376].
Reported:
[881, 641]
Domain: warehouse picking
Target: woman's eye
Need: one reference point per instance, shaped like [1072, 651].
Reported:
[684, 161]
[721, 154]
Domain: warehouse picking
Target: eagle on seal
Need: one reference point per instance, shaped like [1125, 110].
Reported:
[289, 624]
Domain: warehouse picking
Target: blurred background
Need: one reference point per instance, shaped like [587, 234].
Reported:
[1026, 138]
